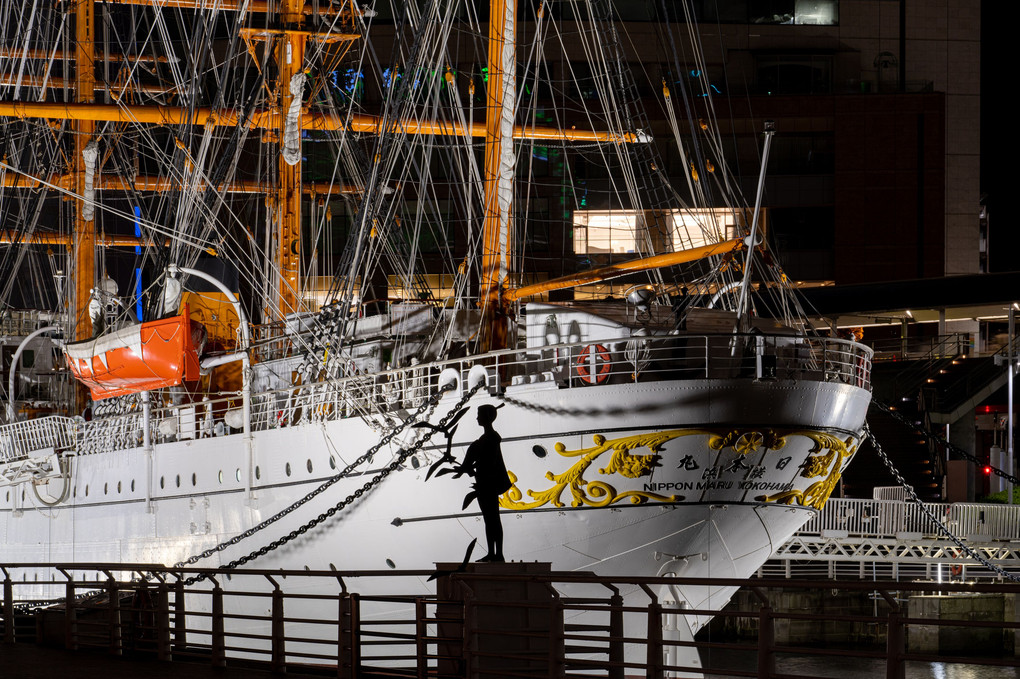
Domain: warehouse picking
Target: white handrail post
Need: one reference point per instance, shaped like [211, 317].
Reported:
[14, 367]
[147, 447]
[173, 270]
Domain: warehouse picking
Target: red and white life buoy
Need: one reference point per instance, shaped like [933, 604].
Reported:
[593, 364]
[956, 570]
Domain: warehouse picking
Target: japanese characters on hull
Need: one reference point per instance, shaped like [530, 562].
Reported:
[696, 465]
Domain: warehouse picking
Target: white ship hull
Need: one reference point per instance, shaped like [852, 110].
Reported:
[732, 469]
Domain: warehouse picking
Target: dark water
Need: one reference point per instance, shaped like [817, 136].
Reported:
[835, 667]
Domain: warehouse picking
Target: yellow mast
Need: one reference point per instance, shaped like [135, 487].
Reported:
[290, 40]
[104, 241]
[157, 184]
[290, 57]
[84, 231]
[269, 119]
[496, 231]
[612, 270]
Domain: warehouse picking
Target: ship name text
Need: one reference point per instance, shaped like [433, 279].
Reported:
[665, 486]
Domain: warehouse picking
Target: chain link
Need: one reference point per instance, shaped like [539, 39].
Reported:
[553, 410]
[579, 412]
[371, 483]
[942, 439]
[931, 515]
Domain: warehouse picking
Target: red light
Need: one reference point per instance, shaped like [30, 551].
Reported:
[988, 470]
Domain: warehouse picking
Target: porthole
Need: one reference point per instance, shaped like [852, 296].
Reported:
[118, 488]
[178, 480]
[194, 479]
[86, 491]
[106, 488]
[237, 474]
[308, 465]
[132, 485]
[219, 477]
[286, 469]
[162, 482]
[258, 472]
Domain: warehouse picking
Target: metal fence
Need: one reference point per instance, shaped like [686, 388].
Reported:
[505, 620]
[923, 348]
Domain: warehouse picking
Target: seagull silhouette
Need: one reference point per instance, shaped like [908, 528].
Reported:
[459, 569]
[448, 430]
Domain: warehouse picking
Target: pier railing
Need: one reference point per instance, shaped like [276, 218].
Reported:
[512, 620]
[896, 540]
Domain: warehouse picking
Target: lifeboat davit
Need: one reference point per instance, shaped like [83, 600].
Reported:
[150, 355]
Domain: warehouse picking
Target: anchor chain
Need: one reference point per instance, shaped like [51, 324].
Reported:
[941, 439]
[577, 412]
[355, 495]
[551, 410]
[931, 515]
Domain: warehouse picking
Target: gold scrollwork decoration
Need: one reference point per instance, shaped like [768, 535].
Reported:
[831, 463]
[599, 493]
[746, 442]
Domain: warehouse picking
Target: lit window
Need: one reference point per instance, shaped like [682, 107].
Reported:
[614, 232]
[817, 12]
[627, 231]
[439, 285]
[316, 291]
[696, 228]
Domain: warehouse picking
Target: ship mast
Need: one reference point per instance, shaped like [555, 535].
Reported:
[288, 39]
[290, 58]
[500, 99]
[84, 230]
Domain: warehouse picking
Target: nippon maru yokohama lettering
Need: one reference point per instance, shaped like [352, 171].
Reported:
[729, 460]
[710, 485]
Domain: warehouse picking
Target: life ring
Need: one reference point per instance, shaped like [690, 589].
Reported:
[593, 364]
[955, 569]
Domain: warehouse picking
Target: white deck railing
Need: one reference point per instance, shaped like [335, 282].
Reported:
[20, 439]
[569, 366]
[846, 517]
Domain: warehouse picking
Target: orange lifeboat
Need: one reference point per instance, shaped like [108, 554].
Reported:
[141, 357]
